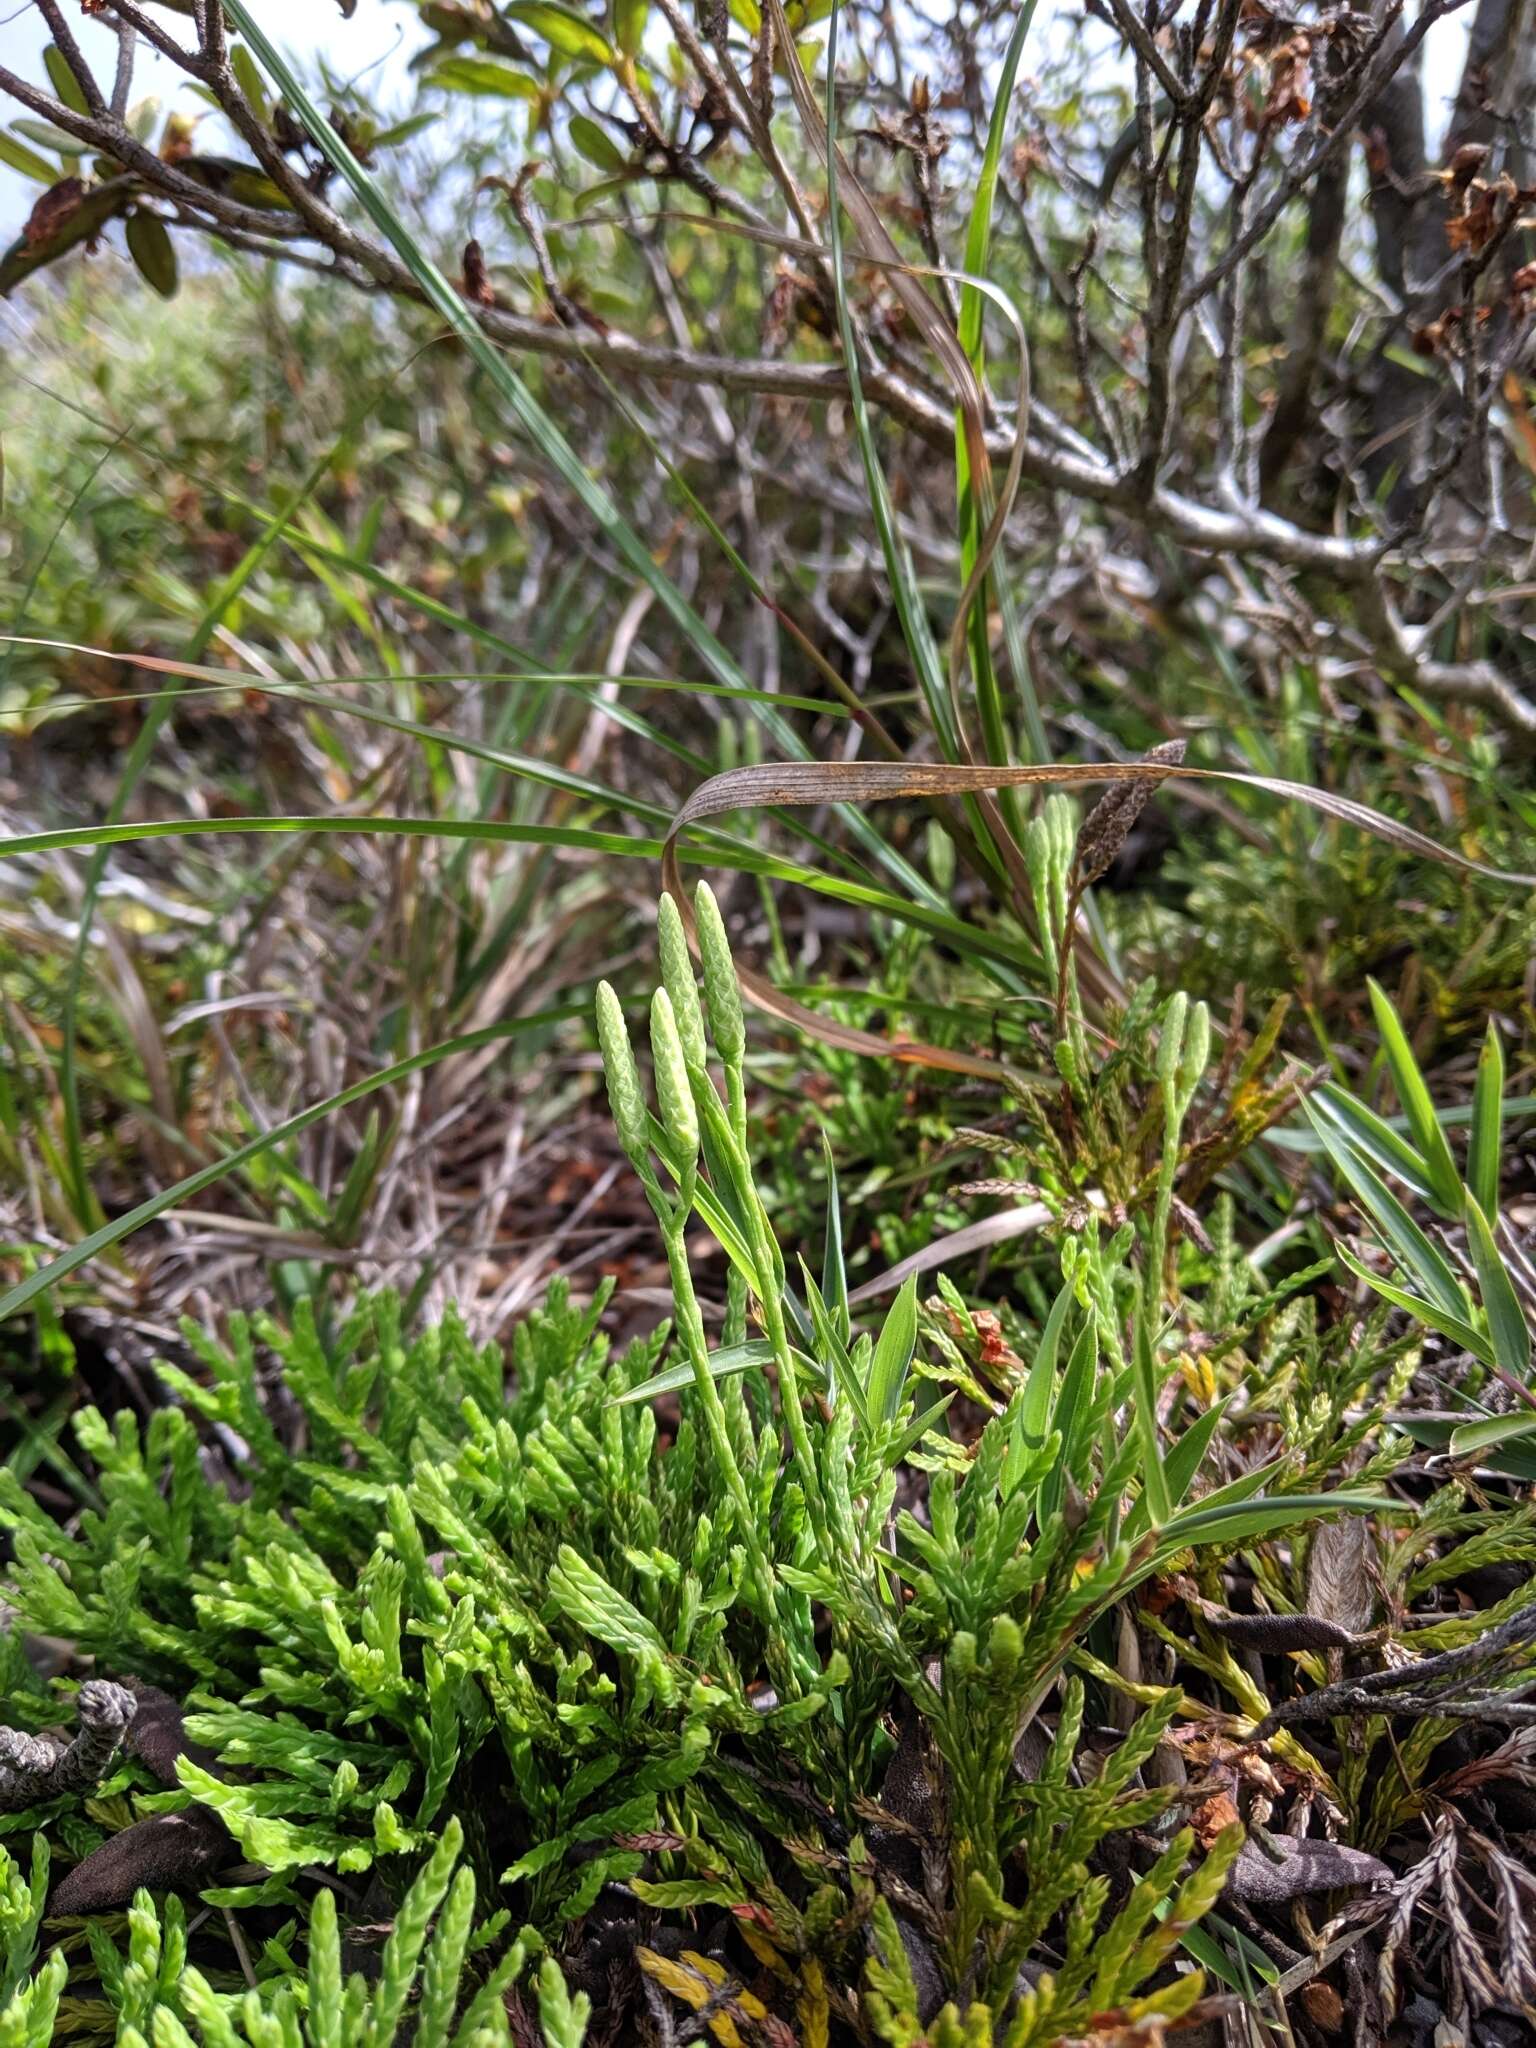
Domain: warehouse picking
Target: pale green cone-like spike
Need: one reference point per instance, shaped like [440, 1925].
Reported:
[1171, 1045]
[626, 1098]
[674, 1095]
[721, 988]
[677, 977]
[1197, 1050]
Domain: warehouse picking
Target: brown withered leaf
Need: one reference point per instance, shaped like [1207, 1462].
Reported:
[1207, 1749]
[477, 283]
[52, 210]
[1217, 1813]
[1302, 1865]
[1474, 227]
[158, 1735]
[1281, 1633]
[176, 1852]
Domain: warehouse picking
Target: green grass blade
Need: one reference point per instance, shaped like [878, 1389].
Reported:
[729, 1360]
[1417, 1106]
[1506, 1319]
[910, 608]
[1457, 1328]
[145, 741]
[1374, 1136]
[834, 1270]
[1146, 1387]
[978, 249]
[893, 1353]
[1238, 1521]
[1493, 1430]
[1420, 1259]
[1487, 1120]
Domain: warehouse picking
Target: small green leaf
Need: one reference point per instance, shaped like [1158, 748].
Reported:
[19, 158]
[144, 117]
[1034, 1413]
[402, 131]
[65, 83]
[1493, 1429]
[917, 1429]
[250, 81]
[149, 244]
[562, 28]
[629, 19]
[483, 76]
[595, 145]
[46, 136]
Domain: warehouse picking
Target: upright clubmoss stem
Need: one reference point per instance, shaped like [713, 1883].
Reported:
[678, 1117]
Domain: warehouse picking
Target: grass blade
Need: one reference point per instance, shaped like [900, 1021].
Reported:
[1145, 1390]
[1506, 1319]
[1417, 1106]
[1421, 1260]
[893, 1353]
[834, 1270]
[1485, 1141]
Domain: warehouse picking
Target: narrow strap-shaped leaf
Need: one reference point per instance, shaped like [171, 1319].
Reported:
[1374, 1136]
[1427, 1312]
[1487, 1120]
[1506, 1318]
[1146, 1388]
[1493, 1430]
[834, 1270]
[793, 784]
[893, 1352]
[1413, 1250]
[1417, 1105]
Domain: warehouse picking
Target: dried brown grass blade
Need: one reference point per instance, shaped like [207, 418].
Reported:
[798, 784]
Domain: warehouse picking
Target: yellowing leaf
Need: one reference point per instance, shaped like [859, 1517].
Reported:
[697, 1979]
